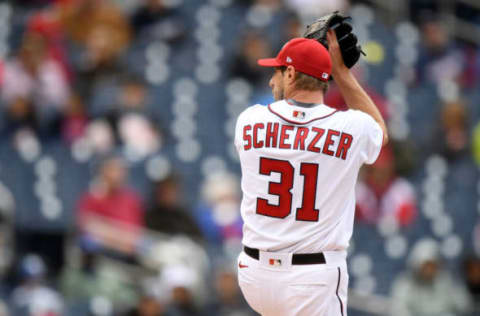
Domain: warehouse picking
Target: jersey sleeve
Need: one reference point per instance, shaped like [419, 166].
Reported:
[373, 135]
[241, 121]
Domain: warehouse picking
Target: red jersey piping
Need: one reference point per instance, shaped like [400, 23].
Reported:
[299, 123]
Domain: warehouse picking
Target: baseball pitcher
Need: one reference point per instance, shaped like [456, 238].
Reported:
[300, 161]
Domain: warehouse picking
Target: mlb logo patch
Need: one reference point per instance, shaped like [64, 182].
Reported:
[325, 75]
[275, 262]
[289, 60]
[299, 115]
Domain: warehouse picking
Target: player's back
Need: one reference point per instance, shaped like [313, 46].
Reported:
[299, 168]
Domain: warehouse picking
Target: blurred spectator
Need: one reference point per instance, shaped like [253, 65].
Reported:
[75, 119]
[32, 297]
[427, 289]
[452, 137]
[471, 270]
[254, 46]
[139, 138]
[439, 59]
[100, 14]
[102, 40]
[293, 28]
[132, 123]
[381, 193]
[167, 214]
[33, 74]
[20, 114]
[227, 299]
[419, 9]
[48, 23]
[100, 137]
[132, 97]
[219, 213]
[23, 113]
[110, 216]
[158, 21]
[152, 301]
[180, 282]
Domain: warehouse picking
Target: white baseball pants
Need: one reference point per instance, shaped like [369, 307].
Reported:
[273, 286]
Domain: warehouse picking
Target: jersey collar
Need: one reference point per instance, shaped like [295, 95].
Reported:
[300, 115]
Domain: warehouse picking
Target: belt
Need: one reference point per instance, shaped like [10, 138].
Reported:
[297, 259]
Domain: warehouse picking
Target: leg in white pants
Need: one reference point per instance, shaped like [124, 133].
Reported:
[293, 290]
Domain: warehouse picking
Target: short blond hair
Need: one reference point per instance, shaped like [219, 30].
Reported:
[308, 83]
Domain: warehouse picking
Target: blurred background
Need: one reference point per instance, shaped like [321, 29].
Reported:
[119, 182]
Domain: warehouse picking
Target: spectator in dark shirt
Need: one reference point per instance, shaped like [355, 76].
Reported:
[254, 46]
[167, 214]
[227, 299]
[440, 58]
[20, 113]
[180, 282]
[157, 20]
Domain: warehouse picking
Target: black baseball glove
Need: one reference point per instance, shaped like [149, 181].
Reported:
[346, 39]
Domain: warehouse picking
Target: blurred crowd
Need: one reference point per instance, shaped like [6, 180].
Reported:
[71, 76]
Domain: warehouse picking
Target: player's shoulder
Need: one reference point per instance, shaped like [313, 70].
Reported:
[356, 117]
[353, 114]
[253, 111]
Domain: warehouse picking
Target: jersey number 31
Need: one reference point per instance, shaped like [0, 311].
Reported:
[309, 171]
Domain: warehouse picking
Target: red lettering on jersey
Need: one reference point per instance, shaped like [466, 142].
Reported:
[271, 135]
[329, 142]
[284, 136]
[246, 137]
[302, 133]
[311, 146]
[256, 127]
[344, 145]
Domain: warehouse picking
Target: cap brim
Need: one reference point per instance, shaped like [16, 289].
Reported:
[269, 62]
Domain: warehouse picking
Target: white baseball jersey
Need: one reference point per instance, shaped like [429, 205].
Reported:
[299, 170]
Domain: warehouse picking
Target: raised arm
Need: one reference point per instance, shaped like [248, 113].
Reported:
[354, 95]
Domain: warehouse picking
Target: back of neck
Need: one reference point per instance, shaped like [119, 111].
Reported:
[304, 96]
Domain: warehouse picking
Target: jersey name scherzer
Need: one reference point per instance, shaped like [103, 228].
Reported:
[299, 170]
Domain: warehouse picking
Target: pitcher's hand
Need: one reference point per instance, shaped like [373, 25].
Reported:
[338, 66]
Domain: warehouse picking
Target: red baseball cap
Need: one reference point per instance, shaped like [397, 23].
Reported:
[306, 55]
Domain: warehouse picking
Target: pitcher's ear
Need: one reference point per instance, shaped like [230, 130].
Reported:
[291, 72]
